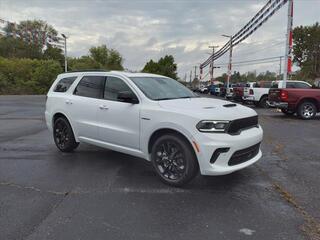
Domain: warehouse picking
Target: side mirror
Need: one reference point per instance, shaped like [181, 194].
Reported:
[128, 97]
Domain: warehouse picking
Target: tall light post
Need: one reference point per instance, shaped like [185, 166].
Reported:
[230, 64]
[288, 52]
[65, 52]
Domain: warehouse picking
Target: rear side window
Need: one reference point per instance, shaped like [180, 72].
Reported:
[290, 85]
[113, 87]
[265, 84]
[90, 86]
[301, 85]
[64, 84]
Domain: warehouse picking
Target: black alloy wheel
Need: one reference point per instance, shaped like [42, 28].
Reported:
[63, 135]
[174, 160]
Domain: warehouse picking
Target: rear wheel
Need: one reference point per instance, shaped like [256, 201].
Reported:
[63, 135]
[307, 110]
[263, 102]
[174, 160]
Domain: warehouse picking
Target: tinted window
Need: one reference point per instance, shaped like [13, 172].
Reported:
[64, 84]
[301, 85]
[90, 86]
[265, 84]
[290, 85]
[113, 87]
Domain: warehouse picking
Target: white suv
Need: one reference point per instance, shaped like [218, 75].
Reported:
[155, 118]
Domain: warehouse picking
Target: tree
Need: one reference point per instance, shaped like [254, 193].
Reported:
[16, 48]
[165, 66]
[110, 59]
[306, 50]
[83, 63]
[34, 32]
[54, 53]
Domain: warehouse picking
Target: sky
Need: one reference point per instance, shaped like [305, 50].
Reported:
[149, 29]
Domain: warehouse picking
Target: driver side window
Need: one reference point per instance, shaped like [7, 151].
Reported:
[113, 87]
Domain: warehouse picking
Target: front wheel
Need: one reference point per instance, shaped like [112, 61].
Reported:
[174, 160]
[307, 110]
[63, 135]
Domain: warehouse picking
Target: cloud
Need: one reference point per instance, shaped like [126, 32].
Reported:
[141, 30]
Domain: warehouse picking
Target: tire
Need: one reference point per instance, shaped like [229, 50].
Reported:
[307, 110]
[63, 135]
[178, 169]
[287, 112]
[263, 102]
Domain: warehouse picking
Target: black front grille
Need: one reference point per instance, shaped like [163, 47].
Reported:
[236, 126]
[244, 155]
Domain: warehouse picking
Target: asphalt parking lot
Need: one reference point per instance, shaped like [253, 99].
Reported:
[94, 193]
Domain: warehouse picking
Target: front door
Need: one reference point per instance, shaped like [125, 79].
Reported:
[119, 122]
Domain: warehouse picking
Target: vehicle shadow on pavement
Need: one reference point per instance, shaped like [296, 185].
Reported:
[128, 172]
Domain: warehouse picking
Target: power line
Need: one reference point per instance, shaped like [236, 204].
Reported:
[255, 23]
[250, 61]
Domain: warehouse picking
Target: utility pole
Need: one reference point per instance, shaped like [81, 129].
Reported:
[230, 64]
[195, 72]
[280, 65]
[212, 62]
[288, 51]
[190, 76]
[65, 53]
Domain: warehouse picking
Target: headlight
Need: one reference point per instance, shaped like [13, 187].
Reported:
[212, 126]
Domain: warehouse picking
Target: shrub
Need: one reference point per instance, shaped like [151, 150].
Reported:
[27, 76]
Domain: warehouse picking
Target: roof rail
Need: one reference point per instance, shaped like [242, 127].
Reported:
[88, 70]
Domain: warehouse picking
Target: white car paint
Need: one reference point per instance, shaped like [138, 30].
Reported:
[127, 127]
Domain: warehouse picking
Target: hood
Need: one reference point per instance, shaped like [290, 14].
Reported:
[208, 108]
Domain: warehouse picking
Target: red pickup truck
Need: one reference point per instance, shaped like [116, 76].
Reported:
[304, 102]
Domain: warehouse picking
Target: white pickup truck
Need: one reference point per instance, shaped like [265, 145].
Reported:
[257, 92]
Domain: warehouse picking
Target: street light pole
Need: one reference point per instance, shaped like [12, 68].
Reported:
[65, 53]
[212, 62]
[230, 64]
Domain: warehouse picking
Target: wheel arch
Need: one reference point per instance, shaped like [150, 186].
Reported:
[162, 131]
[264, 95]
[309, 99]
[61, 114]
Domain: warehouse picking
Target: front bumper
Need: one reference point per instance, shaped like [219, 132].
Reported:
[210, 142]
[281, 105]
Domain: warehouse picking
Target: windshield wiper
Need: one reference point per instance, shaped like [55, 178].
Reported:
[190, 97]
[159, 99]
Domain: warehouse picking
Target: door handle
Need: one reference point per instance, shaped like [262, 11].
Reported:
[103, 107]
[68, 102]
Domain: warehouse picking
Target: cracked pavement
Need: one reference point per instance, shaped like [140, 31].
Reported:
[94, 193]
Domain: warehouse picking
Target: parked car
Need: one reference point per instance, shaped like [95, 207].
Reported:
[223, 91]
[238, 92]
[304, 101]
[257, 93]
[214, 89]
[204, 90]
[155, 118]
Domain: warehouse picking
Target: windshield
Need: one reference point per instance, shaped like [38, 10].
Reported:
[160, 88]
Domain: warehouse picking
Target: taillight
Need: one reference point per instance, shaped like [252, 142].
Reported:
[251, 92]
[283, 95]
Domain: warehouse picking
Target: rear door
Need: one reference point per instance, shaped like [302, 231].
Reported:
[118, 122]
[83, 105]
